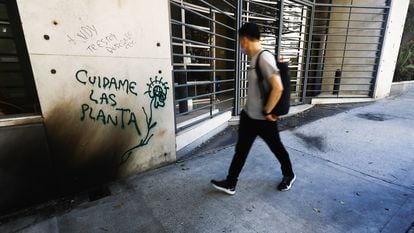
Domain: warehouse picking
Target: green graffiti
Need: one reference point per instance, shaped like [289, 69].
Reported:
[157, 91]
[103, 107]
[122, 117]
[106, 83]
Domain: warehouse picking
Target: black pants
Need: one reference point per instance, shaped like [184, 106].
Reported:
[249, 129]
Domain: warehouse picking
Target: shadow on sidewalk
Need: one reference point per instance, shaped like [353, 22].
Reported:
[228, 137]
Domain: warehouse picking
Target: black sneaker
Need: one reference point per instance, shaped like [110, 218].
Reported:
[224, 186]
[286, 183]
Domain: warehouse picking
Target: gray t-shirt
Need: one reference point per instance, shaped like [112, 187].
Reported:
[254, 103]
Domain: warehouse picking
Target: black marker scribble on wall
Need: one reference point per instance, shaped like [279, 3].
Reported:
[103, 105]
[88, 37]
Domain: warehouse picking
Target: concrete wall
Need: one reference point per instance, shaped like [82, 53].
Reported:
[392, 41]
[398, 88]
[103, 74]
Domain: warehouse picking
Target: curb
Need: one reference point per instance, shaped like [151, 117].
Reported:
[398, 88]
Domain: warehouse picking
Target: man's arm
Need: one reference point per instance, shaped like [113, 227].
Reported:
[276, 90]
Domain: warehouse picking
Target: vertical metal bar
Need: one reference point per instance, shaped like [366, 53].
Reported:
[243, 57]
[182, 78]
[300, 55]
[236, 109]
[308, 53]
[280, 29]
[326, 38]
[183, 32]
[181, 92]
[212, 62]
[345, 43]
[172, 72]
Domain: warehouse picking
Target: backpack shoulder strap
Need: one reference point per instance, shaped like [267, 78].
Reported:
[257, 66]
[260, 74]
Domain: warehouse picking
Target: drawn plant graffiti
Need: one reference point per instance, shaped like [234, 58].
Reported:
[157, 91]
[102, 107]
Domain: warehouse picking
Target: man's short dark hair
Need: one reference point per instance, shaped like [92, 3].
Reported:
[250, 30]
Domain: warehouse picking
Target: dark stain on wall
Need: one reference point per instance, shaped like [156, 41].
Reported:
[79, 164]
[26, 174]
[75, 154]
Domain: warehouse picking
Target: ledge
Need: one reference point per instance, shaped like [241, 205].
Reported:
[202, 131]
[20, 120]
[397, 88]
[343, 100]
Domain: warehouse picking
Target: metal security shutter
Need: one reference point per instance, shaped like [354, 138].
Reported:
[264, 13]
[346, 42]
[333, 47]
[17, 90]
[285, 27]
[294, 43]
[204, 58]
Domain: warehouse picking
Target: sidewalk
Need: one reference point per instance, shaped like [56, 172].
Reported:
[354, 174]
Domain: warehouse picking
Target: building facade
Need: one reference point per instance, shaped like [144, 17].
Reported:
[93, 91]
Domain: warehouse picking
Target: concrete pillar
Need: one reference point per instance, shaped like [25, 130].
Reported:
[391, 46]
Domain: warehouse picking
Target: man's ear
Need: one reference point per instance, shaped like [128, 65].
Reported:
[242, 39]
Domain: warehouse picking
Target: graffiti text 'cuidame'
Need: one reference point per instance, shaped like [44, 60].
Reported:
[106, 83]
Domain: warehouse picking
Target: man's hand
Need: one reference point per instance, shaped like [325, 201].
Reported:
[272, 117]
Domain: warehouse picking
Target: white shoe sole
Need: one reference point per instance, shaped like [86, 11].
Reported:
[291, 183]
[229, 192]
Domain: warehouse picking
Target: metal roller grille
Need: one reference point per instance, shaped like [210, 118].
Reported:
[265, 14]
[294, 43]
[333, 46]
[346, 42]
[204, 57]
[17, 90]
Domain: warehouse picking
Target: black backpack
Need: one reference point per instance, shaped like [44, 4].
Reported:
[282, 107]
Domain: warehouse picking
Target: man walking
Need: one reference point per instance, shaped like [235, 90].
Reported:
[255, 119]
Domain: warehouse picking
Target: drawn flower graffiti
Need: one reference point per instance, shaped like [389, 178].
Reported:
[157, 91]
